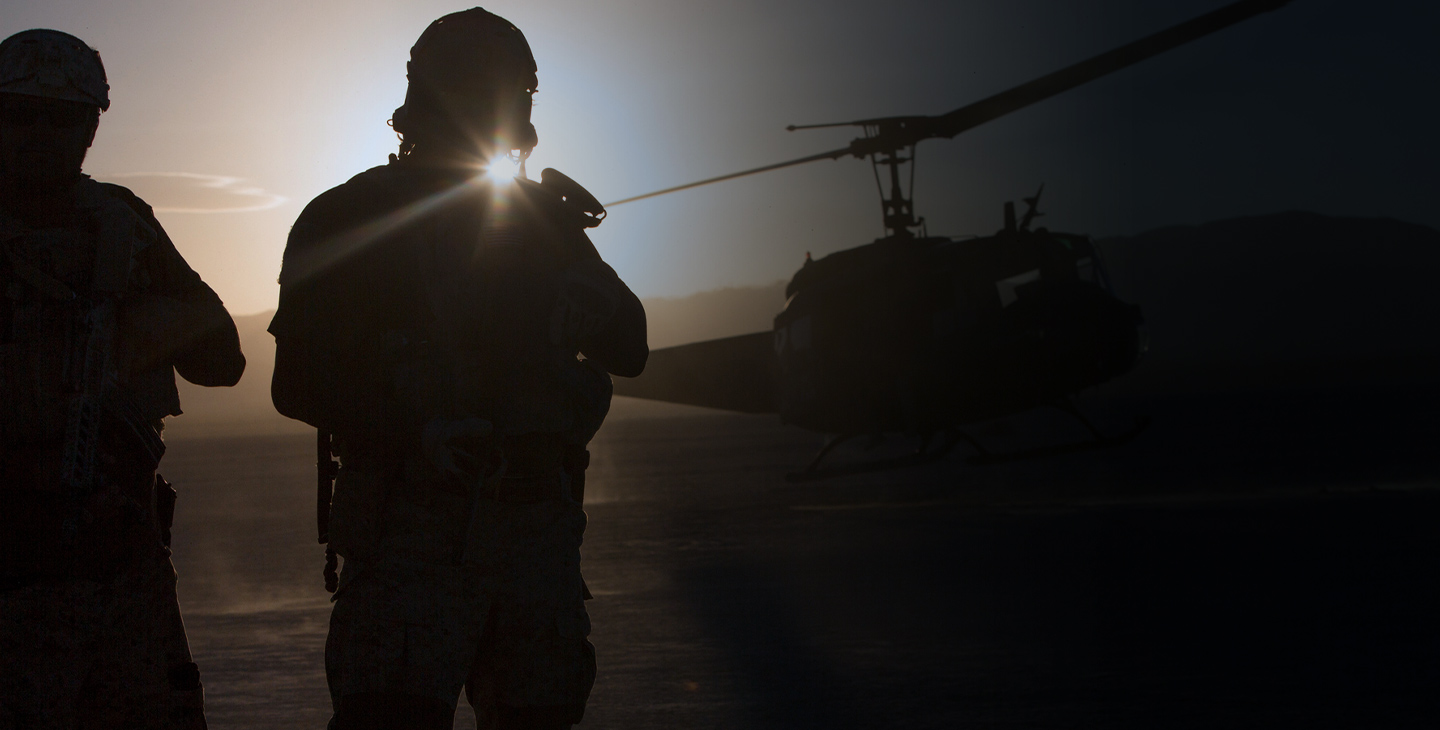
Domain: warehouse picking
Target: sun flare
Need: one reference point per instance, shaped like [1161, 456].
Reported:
[502, 169]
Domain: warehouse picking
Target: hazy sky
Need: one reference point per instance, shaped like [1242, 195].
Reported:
[229, 116]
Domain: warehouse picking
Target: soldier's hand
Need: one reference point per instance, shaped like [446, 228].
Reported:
[152, 330]
[586, 303]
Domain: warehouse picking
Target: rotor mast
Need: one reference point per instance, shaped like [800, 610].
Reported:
[899, 208]
[897, 204]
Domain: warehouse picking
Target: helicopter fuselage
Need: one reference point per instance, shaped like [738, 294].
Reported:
[916, 334]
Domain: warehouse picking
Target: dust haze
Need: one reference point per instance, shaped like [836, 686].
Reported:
[1263, 552]
[1278, 301]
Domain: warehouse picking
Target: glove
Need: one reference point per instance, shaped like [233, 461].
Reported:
[152, 331]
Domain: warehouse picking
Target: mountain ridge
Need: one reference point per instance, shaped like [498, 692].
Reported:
[1291, 299]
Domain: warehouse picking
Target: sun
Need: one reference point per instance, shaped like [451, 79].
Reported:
[502, 169]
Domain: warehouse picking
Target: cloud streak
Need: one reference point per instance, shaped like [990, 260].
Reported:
[190, 192]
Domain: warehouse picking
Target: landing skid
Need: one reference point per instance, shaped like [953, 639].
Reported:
[1100, 442]
[924, 454]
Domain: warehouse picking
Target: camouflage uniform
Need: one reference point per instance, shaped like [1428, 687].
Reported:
[434, 321]
[511, 627]
[97, 313]
[89, 625]
[411, 297]
[98, 654]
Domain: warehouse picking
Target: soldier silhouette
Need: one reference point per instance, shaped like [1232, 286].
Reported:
[99, 312]
[455, 331]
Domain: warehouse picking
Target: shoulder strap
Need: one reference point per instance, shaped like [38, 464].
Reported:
[32, 275]
[120, 235]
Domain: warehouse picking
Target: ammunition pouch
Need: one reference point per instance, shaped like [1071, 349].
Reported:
[357, 509]
[532, 454]
[128, 519]
[535, 468]
[534, 465]
[130, 433]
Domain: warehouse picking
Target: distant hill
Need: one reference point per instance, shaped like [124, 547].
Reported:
[246, 407]
[1283, 300]
[711, 315]
[1275, 301]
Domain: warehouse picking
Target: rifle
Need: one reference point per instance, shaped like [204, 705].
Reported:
[82, 423]
[98, 393]
[98, 402]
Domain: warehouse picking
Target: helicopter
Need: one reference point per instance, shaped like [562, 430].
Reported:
[924, 335]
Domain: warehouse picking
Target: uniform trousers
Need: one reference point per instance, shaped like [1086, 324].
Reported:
[98, 654]
[464, 591]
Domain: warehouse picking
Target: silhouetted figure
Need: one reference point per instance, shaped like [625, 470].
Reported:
[99, 311]
[433, 318]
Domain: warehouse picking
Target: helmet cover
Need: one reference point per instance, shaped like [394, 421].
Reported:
[469, 49]
[53, 65]
[464, 56]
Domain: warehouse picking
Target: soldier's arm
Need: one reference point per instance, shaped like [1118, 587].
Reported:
[307, 373]
[202, 339]
[300, 387]
[314, 349]
[292, 387]
[313, 382]
[306, 384]
[620, 344]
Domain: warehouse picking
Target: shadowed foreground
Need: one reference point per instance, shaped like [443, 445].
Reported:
[1248, 561]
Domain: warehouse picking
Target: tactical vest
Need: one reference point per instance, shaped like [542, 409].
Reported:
[473, 282]
[55, 278]
[66, 413]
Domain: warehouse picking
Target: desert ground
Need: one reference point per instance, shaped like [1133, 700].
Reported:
[1251, 559]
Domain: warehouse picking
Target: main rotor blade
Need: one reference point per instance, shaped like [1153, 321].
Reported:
[896, 133]
[831, 155]
[973, 115]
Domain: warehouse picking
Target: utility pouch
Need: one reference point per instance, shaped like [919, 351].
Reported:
[132, 433]
[164, 508]
[357, 512]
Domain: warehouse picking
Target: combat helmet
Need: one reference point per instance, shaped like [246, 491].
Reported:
[461, 61]
[53, 65]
